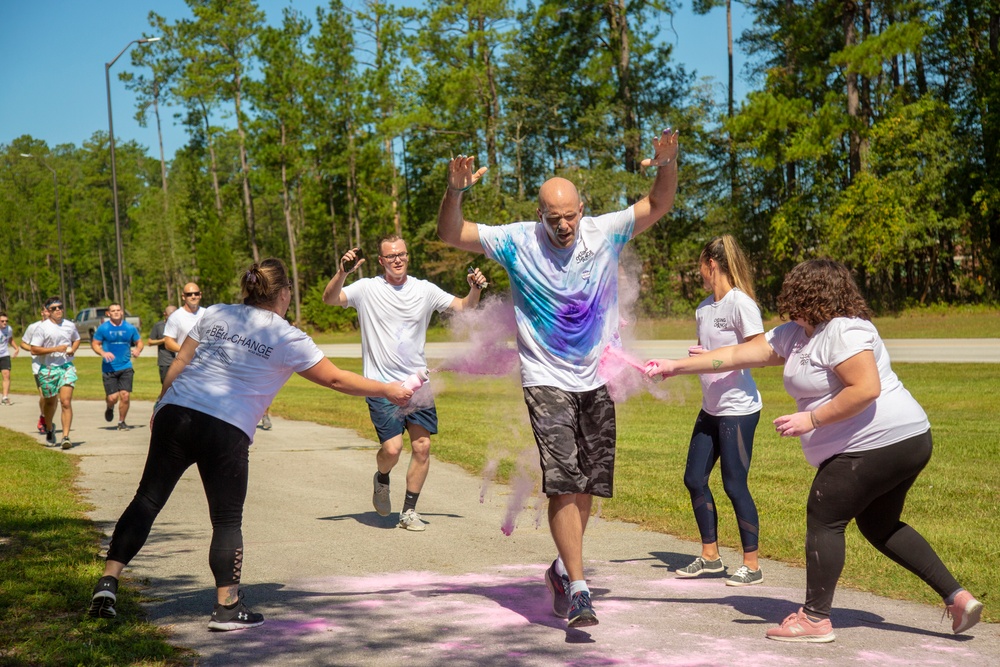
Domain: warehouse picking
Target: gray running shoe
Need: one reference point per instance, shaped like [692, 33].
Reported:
[410, 520]
[67, 443]
[581, 611]
[558, 585]
[701, 566]
[265, 423]
[744, 576]
[380, 497]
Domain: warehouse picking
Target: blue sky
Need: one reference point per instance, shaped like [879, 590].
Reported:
[53, 53]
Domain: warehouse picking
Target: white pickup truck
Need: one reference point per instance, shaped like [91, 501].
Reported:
[88, 319]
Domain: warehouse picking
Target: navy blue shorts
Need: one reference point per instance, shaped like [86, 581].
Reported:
[391, 420]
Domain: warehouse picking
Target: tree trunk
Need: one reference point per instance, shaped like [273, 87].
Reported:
[853, 95]
[286, 205]
[618, 28]
[245, 169]
[211, 154]
[159, 134]
[731, 106]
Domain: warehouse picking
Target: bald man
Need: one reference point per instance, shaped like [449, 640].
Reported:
[563, 272]
[183, 319]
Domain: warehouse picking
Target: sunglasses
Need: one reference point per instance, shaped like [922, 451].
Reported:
[57, 306]
[192, 293]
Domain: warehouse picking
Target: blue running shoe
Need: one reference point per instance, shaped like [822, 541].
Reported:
[581, 612]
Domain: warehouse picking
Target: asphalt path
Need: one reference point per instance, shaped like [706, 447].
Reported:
[340, 585]
[908, 350]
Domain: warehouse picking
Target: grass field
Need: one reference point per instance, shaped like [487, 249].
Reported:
[48, 550]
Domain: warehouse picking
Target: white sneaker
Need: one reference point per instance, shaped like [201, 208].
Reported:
[410, 520]
[6, 401]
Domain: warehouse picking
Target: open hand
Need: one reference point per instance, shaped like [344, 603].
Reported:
[665, 149]
[462, 174]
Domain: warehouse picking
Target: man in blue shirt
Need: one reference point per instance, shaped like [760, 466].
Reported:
[117, 341]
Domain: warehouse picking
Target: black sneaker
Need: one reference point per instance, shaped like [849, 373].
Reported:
[558, 585]
[109, 414]
[122, 426]
[67, 443]
[50, 437]
[237, 618]
[105, 595]
[581, 612]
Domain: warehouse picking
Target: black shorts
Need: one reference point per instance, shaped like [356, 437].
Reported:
[4, 363]
[117, 381]
[575, 433]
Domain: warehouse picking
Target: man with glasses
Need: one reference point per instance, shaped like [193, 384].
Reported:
[116, 342]
[183, 319]
[26, 346]
[394, 310]
[6, 336]
[54, 342]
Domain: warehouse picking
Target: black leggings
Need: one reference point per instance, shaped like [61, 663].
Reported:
[181, 437]
[731, 440]
[870, 487]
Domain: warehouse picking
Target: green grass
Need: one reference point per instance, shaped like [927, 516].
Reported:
[48, 548]
[48, 564]
[930, 322]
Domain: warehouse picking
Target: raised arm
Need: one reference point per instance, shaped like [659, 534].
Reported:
[453, 228]
[333, 295]
[754, 353]
[326, 374]
[660, 199]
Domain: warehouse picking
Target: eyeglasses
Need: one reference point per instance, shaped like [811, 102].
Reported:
[398, 255]
[56, 306]
[192, 293]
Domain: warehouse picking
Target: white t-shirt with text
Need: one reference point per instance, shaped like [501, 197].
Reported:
[565, 300]
[394, 321]
[728, 321]
[810, 379]
[245, 355]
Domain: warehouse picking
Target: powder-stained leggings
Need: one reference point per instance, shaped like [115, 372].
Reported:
[181, 437]
[731, 440]
[870, 487]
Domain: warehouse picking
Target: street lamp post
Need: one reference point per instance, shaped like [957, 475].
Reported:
[55, 186]
[114, 175]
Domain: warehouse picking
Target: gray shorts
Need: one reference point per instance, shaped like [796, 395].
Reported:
[117, 381]
[575, 433]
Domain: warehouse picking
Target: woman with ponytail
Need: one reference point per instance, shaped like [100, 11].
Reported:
[730, 410]
[226, 374]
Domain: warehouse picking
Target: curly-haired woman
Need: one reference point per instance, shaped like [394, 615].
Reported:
[859, 426]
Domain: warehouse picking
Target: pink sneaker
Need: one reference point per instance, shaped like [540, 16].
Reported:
[964, 612]
[799, 628]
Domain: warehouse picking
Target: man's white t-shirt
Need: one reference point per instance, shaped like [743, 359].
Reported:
[728, 321]
[394, 321]
[244, 356]
[180, 323]
[810, 379]
[565, 300]
[50, 334]
[28, 333]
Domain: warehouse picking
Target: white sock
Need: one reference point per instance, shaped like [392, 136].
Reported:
[561, 567]
[578, 587]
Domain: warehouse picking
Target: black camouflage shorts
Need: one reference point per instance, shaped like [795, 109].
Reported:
[575, 434]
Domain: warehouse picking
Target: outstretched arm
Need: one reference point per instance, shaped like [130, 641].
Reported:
[754, 353]
[325, 373]
[453, 228]
[333, 295]
[660, 199]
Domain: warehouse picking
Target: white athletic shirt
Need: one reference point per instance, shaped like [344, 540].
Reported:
[180, 323]
[810, 379]
[728, 321]
[28, 333]
[245, 355]
[394, 322]
[565, 300]
[50, 334]
[6, 335]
